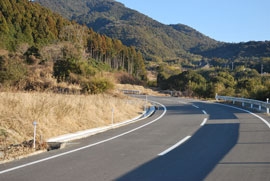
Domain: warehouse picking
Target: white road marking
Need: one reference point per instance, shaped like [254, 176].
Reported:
[204, 122]
[182, 102]
[85, 147]
[174, 146]
[257, 116]
[204, 112]
[195, 106]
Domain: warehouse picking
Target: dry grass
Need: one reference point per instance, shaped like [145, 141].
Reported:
[139, 88]
[58, 114]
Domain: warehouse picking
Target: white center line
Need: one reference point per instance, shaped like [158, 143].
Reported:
[174, 146]
[195, 106]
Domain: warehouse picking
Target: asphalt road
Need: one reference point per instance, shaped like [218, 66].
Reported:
[189, 140]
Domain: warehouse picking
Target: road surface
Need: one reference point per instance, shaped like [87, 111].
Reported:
[185, 140]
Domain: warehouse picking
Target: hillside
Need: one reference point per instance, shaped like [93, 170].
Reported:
[177, 43]
[237, 50]
[152, 38]
[42, 49]
[26, 22]
[48, 67]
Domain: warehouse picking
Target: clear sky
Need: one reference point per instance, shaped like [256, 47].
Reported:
[223, 20]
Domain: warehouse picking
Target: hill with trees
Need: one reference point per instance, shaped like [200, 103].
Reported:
[177, 44]
[238, 50]
[66, 52]
[155, 40]
[39, 46]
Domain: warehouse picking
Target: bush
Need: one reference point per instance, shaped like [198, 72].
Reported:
[65, 69]
[97, 86]
[32, 54]
[62, 69]
[11, 72]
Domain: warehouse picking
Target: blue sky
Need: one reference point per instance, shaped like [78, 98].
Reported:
[228, 21]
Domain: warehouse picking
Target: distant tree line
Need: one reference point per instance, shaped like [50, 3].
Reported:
[205, 83]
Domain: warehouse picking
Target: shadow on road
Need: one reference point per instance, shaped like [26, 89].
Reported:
[194, 159]
[182, 110]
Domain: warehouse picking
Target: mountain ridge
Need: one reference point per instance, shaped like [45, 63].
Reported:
[115, 20]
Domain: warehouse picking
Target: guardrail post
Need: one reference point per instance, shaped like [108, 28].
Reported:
[251, 106]
[260, 107]
[243, 104]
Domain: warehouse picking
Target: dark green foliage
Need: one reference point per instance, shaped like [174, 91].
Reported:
[156, 40]
[132, 28]
[238, 50]
[63, 68]
[26, 22]
[240, 82]
[11, 72]
[31, 54]
[32, 51]
[84, 53]
[189, 81]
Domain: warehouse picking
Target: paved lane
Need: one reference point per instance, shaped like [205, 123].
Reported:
[216, 149]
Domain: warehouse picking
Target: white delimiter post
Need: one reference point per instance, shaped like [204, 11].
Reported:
[267, 109]
[145, 106]
[35, 130]
[112, 116]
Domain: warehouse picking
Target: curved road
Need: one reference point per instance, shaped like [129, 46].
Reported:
[187, 140]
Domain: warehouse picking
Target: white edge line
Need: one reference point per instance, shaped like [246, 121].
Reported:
[182, 102]
[174, 146]
[266, 122]
[85, 147]
[204, 122]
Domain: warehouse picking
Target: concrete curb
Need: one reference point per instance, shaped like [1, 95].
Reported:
[58, 142]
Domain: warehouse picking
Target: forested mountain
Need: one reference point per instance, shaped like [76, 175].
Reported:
[25, 22]
[45, 50]
[237, 50]
[152, 38]
[37, 38]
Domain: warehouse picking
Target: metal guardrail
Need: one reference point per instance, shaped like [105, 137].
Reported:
[131, 91]
[243, 101]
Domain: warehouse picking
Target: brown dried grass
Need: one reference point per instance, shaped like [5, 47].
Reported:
[58, 114]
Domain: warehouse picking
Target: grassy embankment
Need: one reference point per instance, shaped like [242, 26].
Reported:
[58, 114]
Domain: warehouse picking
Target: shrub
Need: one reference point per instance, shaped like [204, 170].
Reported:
[11, 72]
[97, 86]
[62, 69]
[32, 55]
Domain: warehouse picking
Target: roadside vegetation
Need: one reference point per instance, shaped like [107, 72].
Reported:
[60, 74]
[205, 83]
[66, 76]
[57, 114]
